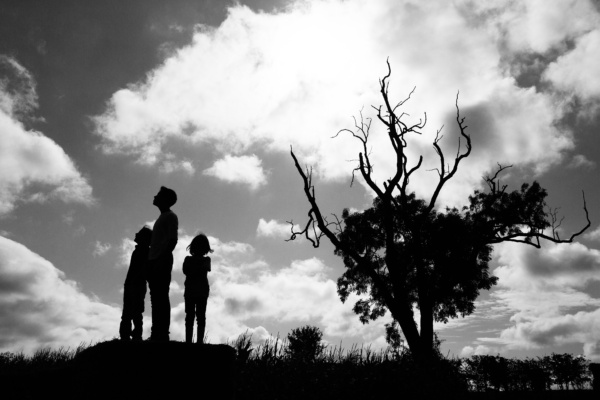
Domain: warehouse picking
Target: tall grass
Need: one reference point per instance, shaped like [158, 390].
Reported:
[42, 359]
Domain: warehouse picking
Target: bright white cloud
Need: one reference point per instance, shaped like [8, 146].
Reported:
[480, 350]
[32, 166]
[264, 80]
[274, 229]
[126, 250]
[297, 294]
[39, 307]
[244, 169]
[577, 71]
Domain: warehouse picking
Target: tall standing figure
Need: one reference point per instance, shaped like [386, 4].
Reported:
[134, 291]
[164, 240]
[196, 267]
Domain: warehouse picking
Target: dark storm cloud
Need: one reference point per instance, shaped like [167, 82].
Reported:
[16, 327]
[18, 283]
[575, 259]
[550, 336]
[237, 307]
[480, 123]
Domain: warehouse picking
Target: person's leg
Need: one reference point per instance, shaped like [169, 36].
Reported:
[153, 299]
[125, 326]
[190, 306]
[138, 314]
[201, 318]
[161, 306]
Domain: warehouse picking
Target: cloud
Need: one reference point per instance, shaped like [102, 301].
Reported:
[593, 235]
[100, 249]
[577, 70]
[545, 292]
[274, 229]
[256, 81]
[581, 161]
[571, 264]
[126, 250]
[297, 294]
[170, 165]
[480, 350]
[539, 25]
[244, 169]
[17, 88]
[40, 307]
[33, 168]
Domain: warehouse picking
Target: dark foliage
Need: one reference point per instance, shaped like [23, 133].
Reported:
[450, 246]
[304, 344]
[495, 373]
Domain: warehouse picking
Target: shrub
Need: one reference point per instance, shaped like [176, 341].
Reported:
[304, 344]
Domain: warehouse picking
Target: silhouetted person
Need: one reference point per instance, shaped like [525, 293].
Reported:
[134, 291]
[164, 239]
[196, 267]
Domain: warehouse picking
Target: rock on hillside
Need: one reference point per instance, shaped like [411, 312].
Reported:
[154, 369]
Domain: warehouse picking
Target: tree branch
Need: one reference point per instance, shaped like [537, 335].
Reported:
[446, 176]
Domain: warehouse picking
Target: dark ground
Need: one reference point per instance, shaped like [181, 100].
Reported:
[162, 370]
[130, 370]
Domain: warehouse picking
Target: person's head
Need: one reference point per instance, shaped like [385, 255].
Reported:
[199, 245]
[165, 198]
[144, 236]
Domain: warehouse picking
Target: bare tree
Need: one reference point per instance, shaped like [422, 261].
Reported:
[403, 252]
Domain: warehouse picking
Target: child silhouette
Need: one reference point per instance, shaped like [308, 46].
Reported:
[135, 288]
[196, 267]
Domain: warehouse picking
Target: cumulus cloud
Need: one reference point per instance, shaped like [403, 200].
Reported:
[32, 166]
[546, 293]
[125, 250]
[577, 70]
[256, 81]
[40, 307]
[244, 169]
[297, 294]
[540, 25]
[274, 229]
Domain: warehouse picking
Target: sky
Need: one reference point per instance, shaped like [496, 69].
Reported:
[102, 103]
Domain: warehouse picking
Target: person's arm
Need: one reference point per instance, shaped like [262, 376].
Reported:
[172, 227]
[207, 264]
[186, 266]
